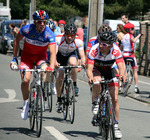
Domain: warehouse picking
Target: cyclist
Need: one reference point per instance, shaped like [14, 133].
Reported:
[38, 37]
[128, 50]
[94, 40]
[100, 59]
[66, 45]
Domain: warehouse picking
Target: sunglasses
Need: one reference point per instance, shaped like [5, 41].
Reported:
[132, 28]
[41, 21]
[70, 35]
[104, 44]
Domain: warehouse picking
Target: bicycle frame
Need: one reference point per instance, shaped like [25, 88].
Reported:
[106, 122]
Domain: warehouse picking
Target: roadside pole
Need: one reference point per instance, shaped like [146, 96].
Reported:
[95, 16]
[33, 8]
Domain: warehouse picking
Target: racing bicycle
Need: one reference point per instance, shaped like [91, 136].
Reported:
[68, 94]
[105, 117]
[124, 86]
[35, 99]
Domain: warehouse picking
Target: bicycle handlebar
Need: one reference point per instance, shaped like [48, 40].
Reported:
[31, 70]
[103, 81]
[70, 67]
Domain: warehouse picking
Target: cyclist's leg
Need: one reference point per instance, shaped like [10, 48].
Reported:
[73, 62]
[95, 96]
[134, 67]
[25, 64]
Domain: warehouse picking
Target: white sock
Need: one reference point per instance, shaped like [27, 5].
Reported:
[136, 86]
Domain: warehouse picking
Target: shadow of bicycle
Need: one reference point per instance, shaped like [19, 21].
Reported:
[18, 130]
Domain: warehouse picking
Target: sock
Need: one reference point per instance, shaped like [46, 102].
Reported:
[75, 84]
[58, 99]
[136, 86]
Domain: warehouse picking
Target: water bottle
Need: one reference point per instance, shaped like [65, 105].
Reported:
[103, 109]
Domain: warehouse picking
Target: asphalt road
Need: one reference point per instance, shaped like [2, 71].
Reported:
[134, 115]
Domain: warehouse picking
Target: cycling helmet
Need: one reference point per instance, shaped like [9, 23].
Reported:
[40, 15]
[104, 28]
[51, 25]
[108, 36]
[128, 26]
[70, 29]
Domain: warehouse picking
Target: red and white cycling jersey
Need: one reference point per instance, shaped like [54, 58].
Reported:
[128, 46]
[96, 58]
[64, 48]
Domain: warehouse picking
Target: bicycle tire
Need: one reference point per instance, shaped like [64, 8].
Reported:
[71, 95]
[64, 100]
[49, 97]
[129, 80]
[99, 116]
[32, 109]
[39, 110]
[110, 130]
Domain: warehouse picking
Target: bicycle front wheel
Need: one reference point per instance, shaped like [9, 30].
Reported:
[32, 108]
[49, 96]
[71, 95]
[110, 131]
[39, 111]
[64, 101]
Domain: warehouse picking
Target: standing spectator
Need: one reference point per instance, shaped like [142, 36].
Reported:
[57, 29]
[61, 24]
[14, 29]
[124, 18]
[80, 32]
[24, 22]
[120, 35]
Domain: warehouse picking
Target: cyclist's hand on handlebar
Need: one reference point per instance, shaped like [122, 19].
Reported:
[49, 69]
[14, 64]
[90, 81]
[57, 65]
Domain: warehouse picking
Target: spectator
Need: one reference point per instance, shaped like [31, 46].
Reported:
[14, 29]
[61, 24]
[124, 18]
[80, 32]
[24, 22]
[57, 29]
[120, 35]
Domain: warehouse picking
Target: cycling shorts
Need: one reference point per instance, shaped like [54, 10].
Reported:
[133, 63]
[109, 74]
[63, 60]
[28, 60]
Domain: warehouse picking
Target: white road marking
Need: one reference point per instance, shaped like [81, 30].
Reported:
[11, 96]
[56, 133]
[143, 82]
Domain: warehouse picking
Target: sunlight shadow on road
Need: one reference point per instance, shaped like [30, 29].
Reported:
[19, 130]
[94, 135]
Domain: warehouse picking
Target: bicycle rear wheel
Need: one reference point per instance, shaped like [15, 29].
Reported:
[129, 80]
[39, 111]
[71, 95]
[64, 101]
[32, 108]
[110, 131]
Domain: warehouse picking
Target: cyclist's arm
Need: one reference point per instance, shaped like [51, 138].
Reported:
[52, 51]
[89, 72]
[82, 55]
[16, 44]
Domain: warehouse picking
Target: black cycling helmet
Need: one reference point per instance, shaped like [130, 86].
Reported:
[70, 29]
[104, 28]
[108, 36]
[40, 15]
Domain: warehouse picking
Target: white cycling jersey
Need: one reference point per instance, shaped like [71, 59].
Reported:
[64, 48]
